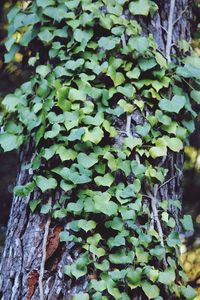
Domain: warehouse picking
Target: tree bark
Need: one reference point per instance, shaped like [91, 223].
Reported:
[21, 261]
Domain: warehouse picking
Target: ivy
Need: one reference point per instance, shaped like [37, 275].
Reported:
[95, 70]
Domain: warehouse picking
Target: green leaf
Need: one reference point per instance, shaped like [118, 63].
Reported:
[167, 277]
[140, 7]
[105, 180]
[34, 204]
[140, 44]
[81, 296]
[187, 223]
[86, 225]
[127, 107]
[83, 35]
[150, 290]
[57, 13]
[10, 141]
[24, 190]
[43, 70]
[65, 236]
[66, 153]
[11, 102]
[45, 3]
[121, 257]
[45, 36]
[147, 64]
[188, 292]
[108, 43]
[134, 74]
[189, 71]
[160, 149]
[103, 204]
[73, 176]
[45, 209]
[45, 183]
[175, 144]
[94, 135]
[173, 239]
[52, 133]
[117, 241]
[134, 276]
[131, 142]
[99, 252]
[161, 60]
[99, 286]
[196, 96]
[75, 134]
[87, 161]
[174, 105]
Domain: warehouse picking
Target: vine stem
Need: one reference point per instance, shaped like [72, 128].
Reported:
[157, 220]
[44, 254]
[128, 125]
[170, 30]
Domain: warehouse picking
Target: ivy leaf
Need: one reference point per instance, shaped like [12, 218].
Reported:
[187, 223]
[167, 277]
[120, 257]
[83, 35]
[45, 3]
[161, 60]
[189, 71]
[173, 239]
[131, 142]
[76, 134]
[140, 44]
[57, 13]
[87, 161]
[127, 107]
[147, 64]
[150, 290]
[52, 133]
[99, 286]
[103, 204]
[11, 102]
[34, 204]
[45, 36]
[160, 149]
[134, 74]
[45, 209]
[86, 225]
[99, 252]
[140, 7]
[45, 183]
[66, 154]
[24, 190]
[65, 236]
[108, 43]
[105, 180]
[175, 144]
[43, 70]
[196, 96]
[188, 292]
[94, 135]
[134, 276]
[81, 296]
[10, 141]
[174, 105]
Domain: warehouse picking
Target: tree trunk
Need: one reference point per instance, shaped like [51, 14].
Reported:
[21, 261]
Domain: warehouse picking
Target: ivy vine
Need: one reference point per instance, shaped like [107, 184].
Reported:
[92, 66]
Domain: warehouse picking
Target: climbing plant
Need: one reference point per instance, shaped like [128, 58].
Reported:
[94, 69]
